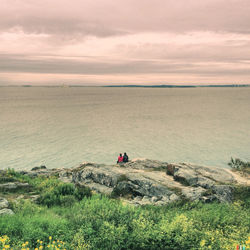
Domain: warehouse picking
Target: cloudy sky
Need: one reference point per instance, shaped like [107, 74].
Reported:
[96, 42]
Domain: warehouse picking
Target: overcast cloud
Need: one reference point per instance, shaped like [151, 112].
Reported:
[124, 42]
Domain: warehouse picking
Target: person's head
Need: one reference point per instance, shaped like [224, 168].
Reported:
[125, 153]
[121, 155]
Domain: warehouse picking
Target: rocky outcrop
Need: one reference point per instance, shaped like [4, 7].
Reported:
[4, 207]
[3, 203]
[14, 186]
[6, 211]
[143, 181]
[146, 181]
[194, 175]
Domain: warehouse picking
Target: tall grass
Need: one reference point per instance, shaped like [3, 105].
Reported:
[102, 223]
[85, 221]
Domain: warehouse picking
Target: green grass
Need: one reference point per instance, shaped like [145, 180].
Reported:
[83, 221]
[103, 223]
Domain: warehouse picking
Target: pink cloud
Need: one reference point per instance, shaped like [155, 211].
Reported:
[104, 41]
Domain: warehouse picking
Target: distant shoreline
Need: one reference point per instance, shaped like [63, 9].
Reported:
[133, 86]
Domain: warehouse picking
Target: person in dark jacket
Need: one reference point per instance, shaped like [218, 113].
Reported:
[125, 157]
[120, 159]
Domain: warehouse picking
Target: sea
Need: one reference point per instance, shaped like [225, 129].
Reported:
[65, 126]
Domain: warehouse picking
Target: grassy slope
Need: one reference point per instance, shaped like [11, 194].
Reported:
[98, 222]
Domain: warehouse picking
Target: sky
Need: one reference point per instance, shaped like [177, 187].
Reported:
[98, 42]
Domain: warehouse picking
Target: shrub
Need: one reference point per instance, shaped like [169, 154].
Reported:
[54, 192]
[81, 191]
[239, 165]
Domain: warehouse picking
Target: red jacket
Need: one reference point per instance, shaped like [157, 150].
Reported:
[120, 159]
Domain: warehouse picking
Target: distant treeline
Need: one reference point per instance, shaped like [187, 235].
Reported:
[133, 86]
[176, 86]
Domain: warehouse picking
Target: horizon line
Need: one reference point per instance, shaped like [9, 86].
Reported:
[132, 85]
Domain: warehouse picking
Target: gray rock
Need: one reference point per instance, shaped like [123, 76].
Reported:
[161, 203]
[35, 198]
[138, 198]
[208, 199]
[223, 193]
[142, 181]
[154, 199]
[194, 193]
[205, 182]
[13, 186]
[174, 197]
[6, 211]
[146, 164]
[125, 188]
[217, 174]
[192, 175]
[170, 169]
[89, 173]
[65, 176]
[20, 197]
[3, 203]
[8, 186]
[145, 201]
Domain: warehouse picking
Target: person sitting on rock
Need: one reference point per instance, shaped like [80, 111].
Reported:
[120, 159]
[125, 157]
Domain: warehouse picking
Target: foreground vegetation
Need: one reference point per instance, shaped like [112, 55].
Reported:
[68, 217]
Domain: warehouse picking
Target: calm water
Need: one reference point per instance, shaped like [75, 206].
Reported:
[62, 127]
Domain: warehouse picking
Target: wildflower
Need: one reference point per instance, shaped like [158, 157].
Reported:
[41, 247]
[202, 243]
[26, 242]
[7, 246]
[50, 238]
[23, 245]
[38, 241]
[41, 242]
[36, 248]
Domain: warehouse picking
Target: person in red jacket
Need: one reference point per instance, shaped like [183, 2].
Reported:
[120, 159]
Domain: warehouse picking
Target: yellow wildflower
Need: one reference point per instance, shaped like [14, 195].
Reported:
[7, 246]
[50, 238]
[36, 248]
[202, 243]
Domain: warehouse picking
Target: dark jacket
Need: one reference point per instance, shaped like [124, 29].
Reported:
[125, 158]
